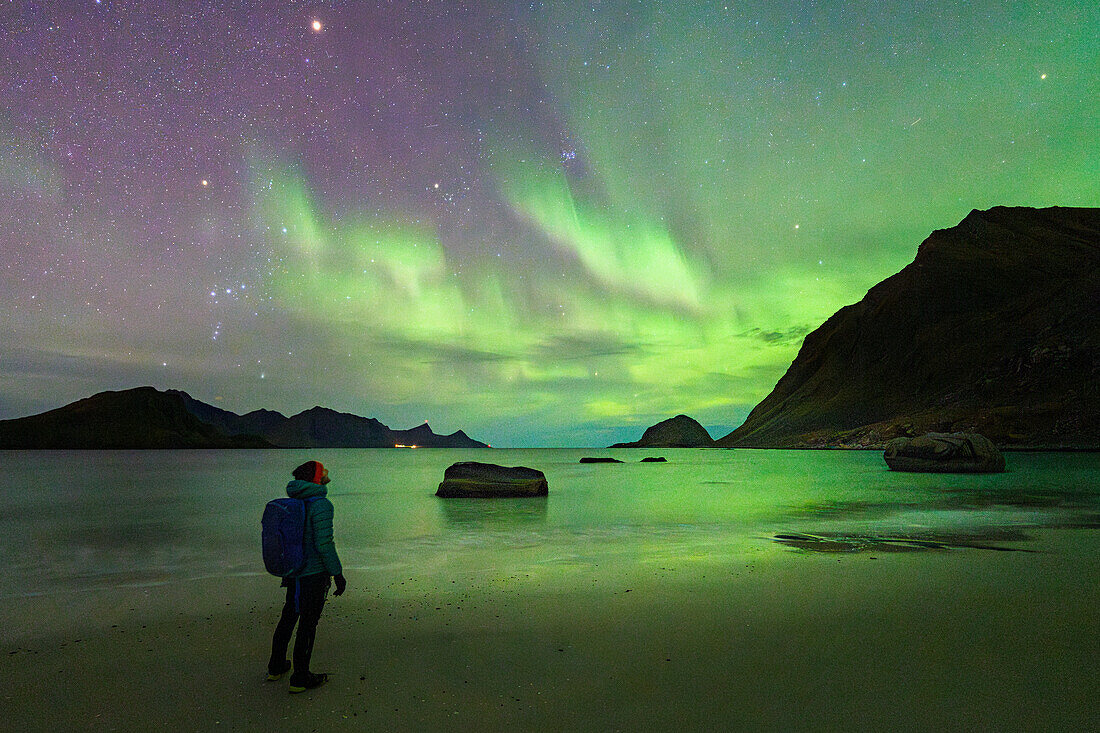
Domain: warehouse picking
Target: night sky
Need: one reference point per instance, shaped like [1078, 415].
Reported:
[543, 223]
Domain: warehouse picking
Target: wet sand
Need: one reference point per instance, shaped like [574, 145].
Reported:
[777, 638]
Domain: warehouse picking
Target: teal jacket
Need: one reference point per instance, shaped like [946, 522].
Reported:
[321, 554]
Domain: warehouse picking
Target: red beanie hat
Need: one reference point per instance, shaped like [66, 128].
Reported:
[312, 471]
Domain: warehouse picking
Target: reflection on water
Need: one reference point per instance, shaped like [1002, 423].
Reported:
[1068, 498]
[493, 514]
[128, 535]
[113, 517]
[871, 543]
[1084, 502]
[944, 517]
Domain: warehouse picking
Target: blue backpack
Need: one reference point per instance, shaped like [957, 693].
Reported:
[283, 536]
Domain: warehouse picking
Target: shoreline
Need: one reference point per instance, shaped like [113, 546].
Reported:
[837, 447]
[773, 638]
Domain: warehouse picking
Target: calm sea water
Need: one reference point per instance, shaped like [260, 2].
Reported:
[87, 519]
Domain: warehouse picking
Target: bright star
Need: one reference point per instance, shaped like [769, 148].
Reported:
[317, 26]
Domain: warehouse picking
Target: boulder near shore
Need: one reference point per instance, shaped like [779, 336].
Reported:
[944, 453]
[471, 479]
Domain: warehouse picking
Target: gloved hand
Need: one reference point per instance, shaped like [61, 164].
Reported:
[341, 583]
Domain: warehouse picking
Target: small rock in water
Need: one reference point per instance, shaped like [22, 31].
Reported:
[600, 459]
[654, 459]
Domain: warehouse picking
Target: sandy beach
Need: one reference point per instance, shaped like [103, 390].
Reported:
[773, 639]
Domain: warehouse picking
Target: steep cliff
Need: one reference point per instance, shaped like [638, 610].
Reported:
[993, 328]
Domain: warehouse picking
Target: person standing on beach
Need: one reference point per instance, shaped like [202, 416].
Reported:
[307, 588]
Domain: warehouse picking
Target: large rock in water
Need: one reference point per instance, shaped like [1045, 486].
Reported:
[485, 480]
[676, 432]
[994, 329]
[944, 453]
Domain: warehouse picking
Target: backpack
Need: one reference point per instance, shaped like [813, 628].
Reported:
[283, 535]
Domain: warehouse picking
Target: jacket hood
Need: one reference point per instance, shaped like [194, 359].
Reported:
[298, 489]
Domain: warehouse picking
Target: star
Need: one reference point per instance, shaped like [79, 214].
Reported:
[317, 26]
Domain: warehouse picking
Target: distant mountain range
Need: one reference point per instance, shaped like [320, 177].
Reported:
[148, 418]
[993, 328]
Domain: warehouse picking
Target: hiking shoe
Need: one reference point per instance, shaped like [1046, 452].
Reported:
[311, 682]
[278, 672]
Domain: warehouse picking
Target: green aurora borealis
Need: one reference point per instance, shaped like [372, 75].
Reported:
[547, 226]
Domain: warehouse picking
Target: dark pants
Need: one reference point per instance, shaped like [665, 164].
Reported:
[305, 597]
